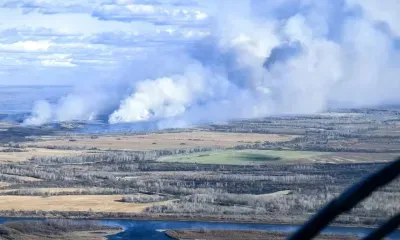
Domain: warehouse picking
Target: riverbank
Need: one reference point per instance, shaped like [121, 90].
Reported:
[271, 219]
[144, 230]
[241, 235]
[56, 230]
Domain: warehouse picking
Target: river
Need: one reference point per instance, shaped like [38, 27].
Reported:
[154, 230]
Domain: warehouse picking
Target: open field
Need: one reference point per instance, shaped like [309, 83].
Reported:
[51, 191]
[343, 157]
[99, 203]
[242, 157]
[155, 141]
[246, 157]
[28, 153]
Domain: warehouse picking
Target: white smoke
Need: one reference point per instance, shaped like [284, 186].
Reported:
[41, 113]
[164, 97]
[85, 103]
[264, 57]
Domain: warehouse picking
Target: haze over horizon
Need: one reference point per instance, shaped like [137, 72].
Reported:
[186, 62]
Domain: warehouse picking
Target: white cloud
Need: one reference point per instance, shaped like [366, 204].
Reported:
[57, 60]
[28, 27]
[28, 46]
[386, 12]
[158, 14]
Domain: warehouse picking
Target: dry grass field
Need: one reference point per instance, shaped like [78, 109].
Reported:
[156, 141]
[10, 157]
[241, 157]
[95, 203]
[42, 190]
[257, 157]
[343, 157]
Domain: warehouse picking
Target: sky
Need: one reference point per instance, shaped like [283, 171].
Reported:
[184, 62]
[61, 42]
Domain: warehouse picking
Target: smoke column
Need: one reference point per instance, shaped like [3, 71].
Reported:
[261, 58]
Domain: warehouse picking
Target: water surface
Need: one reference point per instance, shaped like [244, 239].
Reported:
[140, 230]
[154, 230]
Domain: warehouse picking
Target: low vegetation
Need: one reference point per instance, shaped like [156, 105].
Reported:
[242, 157]
[241, 235]
[142, 198]
[52, 229]
[277, 169]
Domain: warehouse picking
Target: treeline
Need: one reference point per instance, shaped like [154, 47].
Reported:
[323, 141]
[9, 150]
[313, 147]
[153, 177]
[144, 198]
[44, 192]
[10, 179]
[58, 147]
[39, 173]
[21, 134]
[117, 157]
[379, 206]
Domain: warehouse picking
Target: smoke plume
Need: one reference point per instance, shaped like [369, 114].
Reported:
[261, 58]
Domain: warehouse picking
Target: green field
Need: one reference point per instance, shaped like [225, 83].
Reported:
[242, 157]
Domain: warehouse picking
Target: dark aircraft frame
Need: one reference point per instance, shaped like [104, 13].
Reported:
[350, 198]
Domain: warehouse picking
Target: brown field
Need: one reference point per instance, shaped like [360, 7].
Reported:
[156, 141]
[24, 156]
[97, 203]
[42, 190]
[52, 191]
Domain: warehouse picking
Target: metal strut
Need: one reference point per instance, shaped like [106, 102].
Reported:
[347, 200]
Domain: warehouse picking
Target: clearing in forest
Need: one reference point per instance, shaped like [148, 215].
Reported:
[242, 157]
